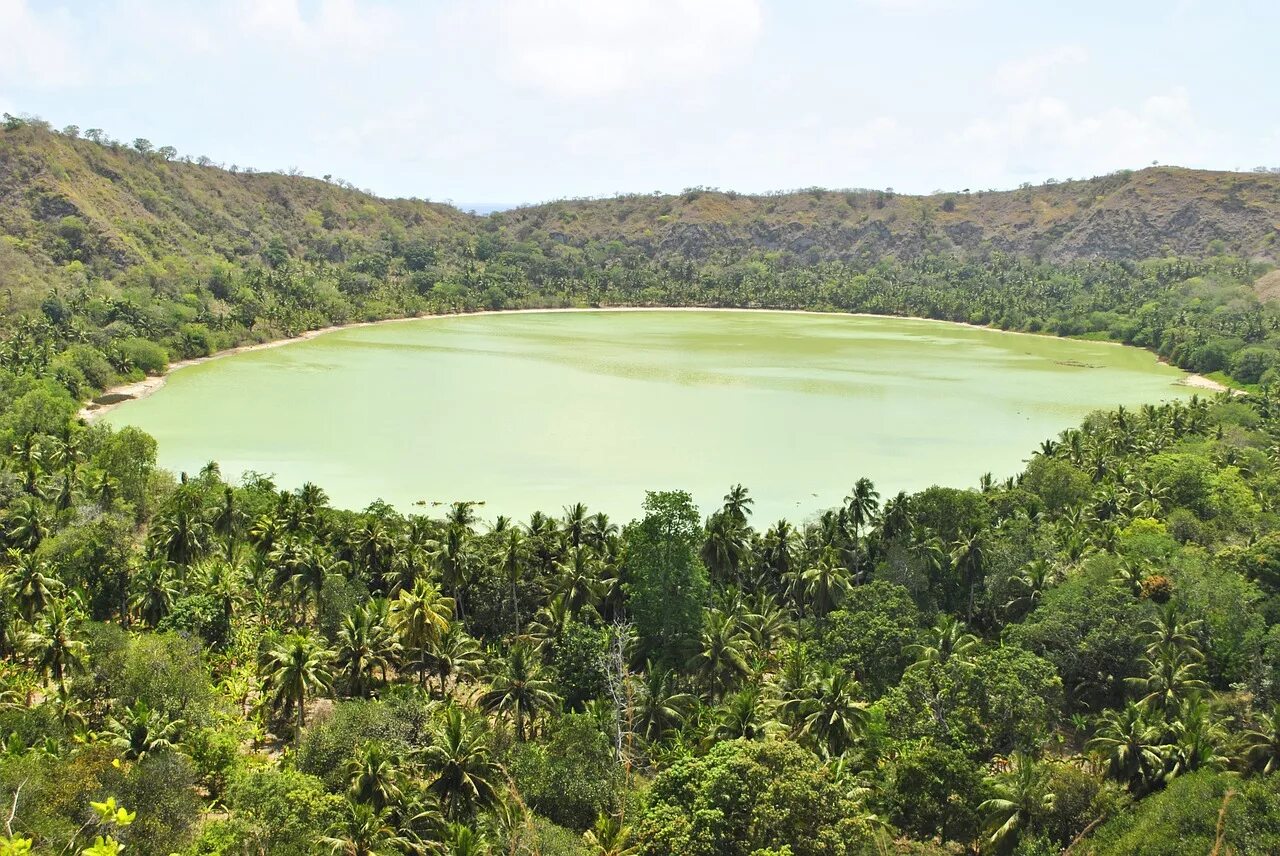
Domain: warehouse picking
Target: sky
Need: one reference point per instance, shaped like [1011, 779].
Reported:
[509, 101]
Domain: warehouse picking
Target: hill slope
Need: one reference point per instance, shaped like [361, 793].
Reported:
[111, 209]
[1129, 215]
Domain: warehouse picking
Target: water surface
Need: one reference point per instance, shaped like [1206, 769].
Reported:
[538, 410]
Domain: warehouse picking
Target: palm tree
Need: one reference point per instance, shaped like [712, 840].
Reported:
[1172, 675]
[179, 534]
[659, 705]
[948, 638]
[141, 731]
[462, 840]
[519, 688]
[1029, 585]
[1020, 799]
[33, 588]
[609, 837]
[575, 524]
[375, 777]
[28, 523]
[825, 584]
[726, 546]
[862, 503]
[462, 765]
[226, 522]
[737, 503]
[966, 557]
[52, 642]
[1262, 744]
[366, 643]
[156, 590]
[365, 831]
[1168, 631]
[744, 716]
[1196, 738]
[1130, 743]
[296, 668]
[511, 560]
[833, 718]
[455, 655]
[420, 617]
[723, 651]
[579, 582]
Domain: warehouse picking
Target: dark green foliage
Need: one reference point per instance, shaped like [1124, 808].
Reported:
[666, 581]
[744, 797]
[572, 777]
[870, 634]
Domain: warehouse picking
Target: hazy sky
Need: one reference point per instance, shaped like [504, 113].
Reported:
[524, 100]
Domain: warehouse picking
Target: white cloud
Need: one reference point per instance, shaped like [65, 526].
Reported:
[345, 26]
[37, 51]
[1030, 74]
[587, 48]
[1046, 134]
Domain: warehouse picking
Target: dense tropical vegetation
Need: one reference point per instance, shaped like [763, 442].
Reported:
[1083, 657]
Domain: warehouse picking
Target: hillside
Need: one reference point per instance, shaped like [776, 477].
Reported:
[65, 200]
[1130, 215]
[113, 209]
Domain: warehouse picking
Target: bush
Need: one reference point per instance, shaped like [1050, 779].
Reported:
[571, 778]
[144, 355]
[1184, 818]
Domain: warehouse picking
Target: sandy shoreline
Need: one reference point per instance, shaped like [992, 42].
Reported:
[127, 392]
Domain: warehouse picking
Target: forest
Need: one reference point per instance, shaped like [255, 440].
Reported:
[1083, 657]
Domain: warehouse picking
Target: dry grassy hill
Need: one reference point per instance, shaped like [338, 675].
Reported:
[1152, 212]
[71, 207]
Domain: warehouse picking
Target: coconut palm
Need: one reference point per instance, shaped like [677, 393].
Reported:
[948, 638]
[744, 715]
[34, 588]
[140, 731]
[861, 504]
[374, 776]
[609, 837]
[28, 523]
[1020, 799]
[832, 717]
[519, 688]
[1130, 744]
[1028, 585]
[155, 589]
[579, 579]
[825, 584]
[52, 644]
[420, 616]
[454, 654]
[366, 643]
[296, 668]
[575, 524]
[659, 704]
[1262, 743]
[511, 560]
[724, 649]
[464, 774]
[363, 830]
[726, 546]
[226, 523]
[179, 534]
[1168, 631]
[1172, 675]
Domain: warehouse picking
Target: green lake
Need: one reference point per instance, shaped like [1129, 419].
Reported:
[529, 411]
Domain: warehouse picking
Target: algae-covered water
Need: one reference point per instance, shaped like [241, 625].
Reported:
[534, 411]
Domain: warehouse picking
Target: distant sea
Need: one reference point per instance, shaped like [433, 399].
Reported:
[483, 208]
